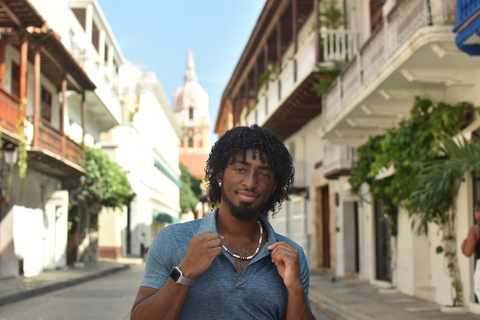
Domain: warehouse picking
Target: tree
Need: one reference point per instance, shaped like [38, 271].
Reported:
[104, 181]
[188, 197]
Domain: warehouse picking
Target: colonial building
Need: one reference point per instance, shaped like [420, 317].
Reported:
[190, 106]
[146, 145]
[43, 93]
[84, 31]
[386, 53]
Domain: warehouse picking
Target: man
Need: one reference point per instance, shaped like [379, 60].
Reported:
[142, 245]
[231, 264]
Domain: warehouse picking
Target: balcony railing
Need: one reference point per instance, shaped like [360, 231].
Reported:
[337, 160]
[337, 44]
[53, 140]
[465, 10]
[408, 17]
[8, 111]
[468, 26]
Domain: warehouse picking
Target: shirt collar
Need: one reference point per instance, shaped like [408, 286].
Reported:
[209, 224]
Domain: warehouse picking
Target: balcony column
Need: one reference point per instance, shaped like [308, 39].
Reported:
[36, 97]
[247, 97]
[63, 112]
[294, 38]
[110, 63]
[317, 31]
[88, 30]
[101, 51]
[2, 63]
[255, 80]
[265, 62]
[279, 57]
[84, 116]
[23, 68]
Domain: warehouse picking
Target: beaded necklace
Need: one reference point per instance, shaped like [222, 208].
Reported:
[256, 251]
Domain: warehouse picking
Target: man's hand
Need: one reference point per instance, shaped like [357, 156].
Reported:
[287, 260]
[201, 251]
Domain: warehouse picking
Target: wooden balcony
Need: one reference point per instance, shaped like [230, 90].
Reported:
[8, 114]
[56, 154]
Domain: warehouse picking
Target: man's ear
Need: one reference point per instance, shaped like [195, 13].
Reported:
[219, 177]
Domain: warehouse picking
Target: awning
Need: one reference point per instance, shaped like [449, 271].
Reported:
[164, 217]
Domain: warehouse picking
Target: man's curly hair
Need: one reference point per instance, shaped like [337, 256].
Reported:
[236, 142]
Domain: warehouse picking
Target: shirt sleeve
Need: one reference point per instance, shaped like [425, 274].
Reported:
[157, 269]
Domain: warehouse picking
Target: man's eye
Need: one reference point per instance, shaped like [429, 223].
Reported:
[239, 169]
[264, 175]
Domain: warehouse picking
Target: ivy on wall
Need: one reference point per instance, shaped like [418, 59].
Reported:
[408, 147]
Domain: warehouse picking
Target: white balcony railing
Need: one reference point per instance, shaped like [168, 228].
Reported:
[299, 177]
[336, 45]
[407, 18]
[337, 158]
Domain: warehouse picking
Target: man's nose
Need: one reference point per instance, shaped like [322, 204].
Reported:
[251, 180]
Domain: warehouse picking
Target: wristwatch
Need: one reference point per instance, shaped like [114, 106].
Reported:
[177, 276]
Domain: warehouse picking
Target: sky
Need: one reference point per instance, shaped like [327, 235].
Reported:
[156, 35]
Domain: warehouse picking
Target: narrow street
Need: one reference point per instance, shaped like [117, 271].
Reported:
[109, 297]
[105, 298]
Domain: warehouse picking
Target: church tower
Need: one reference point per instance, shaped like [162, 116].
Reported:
[190, 106]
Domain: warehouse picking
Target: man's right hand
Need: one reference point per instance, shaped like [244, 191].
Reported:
[201, 251]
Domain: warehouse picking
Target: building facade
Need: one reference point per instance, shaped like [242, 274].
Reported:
[41, 83]
[385, 53]
[146, 145]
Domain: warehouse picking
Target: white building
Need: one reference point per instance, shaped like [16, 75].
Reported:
[394, 51]
[146, 145]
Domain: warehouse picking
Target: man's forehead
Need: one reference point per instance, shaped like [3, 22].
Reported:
[254, 153]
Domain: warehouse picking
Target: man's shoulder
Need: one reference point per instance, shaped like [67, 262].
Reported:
[289, 241]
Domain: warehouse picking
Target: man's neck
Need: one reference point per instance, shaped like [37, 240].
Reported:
[228, 225]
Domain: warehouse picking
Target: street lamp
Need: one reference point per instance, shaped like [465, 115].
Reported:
[11, 156]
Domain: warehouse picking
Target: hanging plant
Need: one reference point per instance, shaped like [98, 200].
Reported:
[330, 72]
[411, 148]
[270, 74]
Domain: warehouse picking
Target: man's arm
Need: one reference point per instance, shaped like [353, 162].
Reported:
[167, 303]
[287, 260]
[468, 245]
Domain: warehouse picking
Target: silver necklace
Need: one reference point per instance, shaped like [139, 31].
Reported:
[256, 251]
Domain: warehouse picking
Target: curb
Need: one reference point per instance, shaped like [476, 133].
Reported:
[29, 293]
[335, 310]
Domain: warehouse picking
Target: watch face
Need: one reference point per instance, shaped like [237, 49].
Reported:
[175, 274]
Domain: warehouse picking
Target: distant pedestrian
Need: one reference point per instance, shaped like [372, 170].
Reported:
[142, 245]
[471, 244]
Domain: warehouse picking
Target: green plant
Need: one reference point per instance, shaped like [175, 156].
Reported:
[104, 181]
[330, 72]
[270, 74]
[188, 197]
[330, 16]
[411, 148]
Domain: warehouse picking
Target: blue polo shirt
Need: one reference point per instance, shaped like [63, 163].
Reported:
[220, 292]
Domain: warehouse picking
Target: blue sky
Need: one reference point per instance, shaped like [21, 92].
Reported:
[156, 35]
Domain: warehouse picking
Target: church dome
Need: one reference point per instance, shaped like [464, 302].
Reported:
[190, 94]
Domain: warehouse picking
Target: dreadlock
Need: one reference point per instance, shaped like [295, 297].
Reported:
[264, 142]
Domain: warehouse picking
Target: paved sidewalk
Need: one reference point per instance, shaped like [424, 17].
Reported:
[16, 289]
[342, 299]
[346, 298]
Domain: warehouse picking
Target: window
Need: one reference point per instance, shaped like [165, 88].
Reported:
[46, 105]
[190, 113]
[15, 88]
[190, 142]
[376, 15]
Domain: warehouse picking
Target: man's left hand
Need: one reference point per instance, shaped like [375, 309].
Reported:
[287, 260]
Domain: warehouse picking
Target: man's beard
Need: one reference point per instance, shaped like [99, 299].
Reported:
[245, 211]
